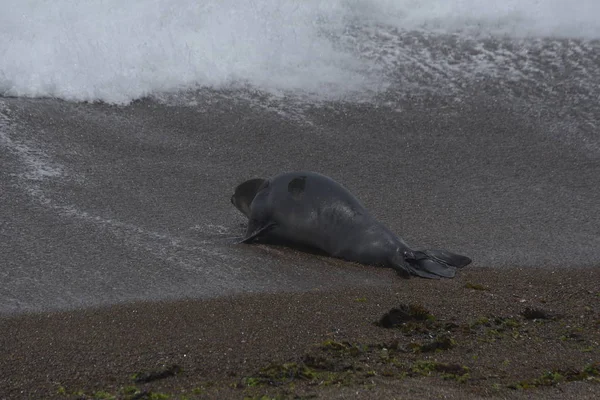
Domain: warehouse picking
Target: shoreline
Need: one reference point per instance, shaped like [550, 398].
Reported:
[483, 346]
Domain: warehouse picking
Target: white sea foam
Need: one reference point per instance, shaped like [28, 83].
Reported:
[117, 51]
[538, 18]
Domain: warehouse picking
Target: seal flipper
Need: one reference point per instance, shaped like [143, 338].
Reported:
[446, 257]
[255, 229]
[435, 264]
[426, 268]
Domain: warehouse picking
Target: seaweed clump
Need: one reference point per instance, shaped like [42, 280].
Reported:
[439, 343]
[476, 286]
[162, 373]
[590, 372]
[448, 371]
[403, 314]
[279, 374]
[494, 327]
[416, 320]
[536, 313]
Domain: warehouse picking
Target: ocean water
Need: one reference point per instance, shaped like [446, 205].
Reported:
[468, 125]
[117, 52]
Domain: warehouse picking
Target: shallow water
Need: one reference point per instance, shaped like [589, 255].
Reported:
[482, 140]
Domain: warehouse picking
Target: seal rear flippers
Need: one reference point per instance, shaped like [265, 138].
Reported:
[446, 257]
[435, 264]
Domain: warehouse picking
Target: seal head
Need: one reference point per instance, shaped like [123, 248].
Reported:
[245, 193]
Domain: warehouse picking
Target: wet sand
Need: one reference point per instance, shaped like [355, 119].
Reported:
[118, 238]
[223, 348]
[104, 205]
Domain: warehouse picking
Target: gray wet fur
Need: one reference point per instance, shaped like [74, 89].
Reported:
[310, 209]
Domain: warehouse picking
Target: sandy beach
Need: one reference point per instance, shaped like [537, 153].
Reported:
[125, 128]
[120, 262]
[324, 344]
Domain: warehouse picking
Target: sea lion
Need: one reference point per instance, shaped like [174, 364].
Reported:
[310, 209]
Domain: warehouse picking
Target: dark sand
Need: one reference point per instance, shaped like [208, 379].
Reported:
[218, 344]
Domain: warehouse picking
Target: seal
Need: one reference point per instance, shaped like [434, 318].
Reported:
[308, 209]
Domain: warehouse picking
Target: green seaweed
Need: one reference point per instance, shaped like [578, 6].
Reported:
[341, 347]
[590, 372]
[102, 395]
[130, 390]
[158, 396]
[440, 343]
[475, 286]
[481, 321]
[279, 374]
[493, 328]
[163, 372]
[420, 313]
[448, 371]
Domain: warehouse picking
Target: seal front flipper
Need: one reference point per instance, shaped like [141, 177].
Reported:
[435, 264]
[256, 229]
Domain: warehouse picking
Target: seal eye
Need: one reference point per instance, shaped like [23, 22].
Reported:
[296, 187]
